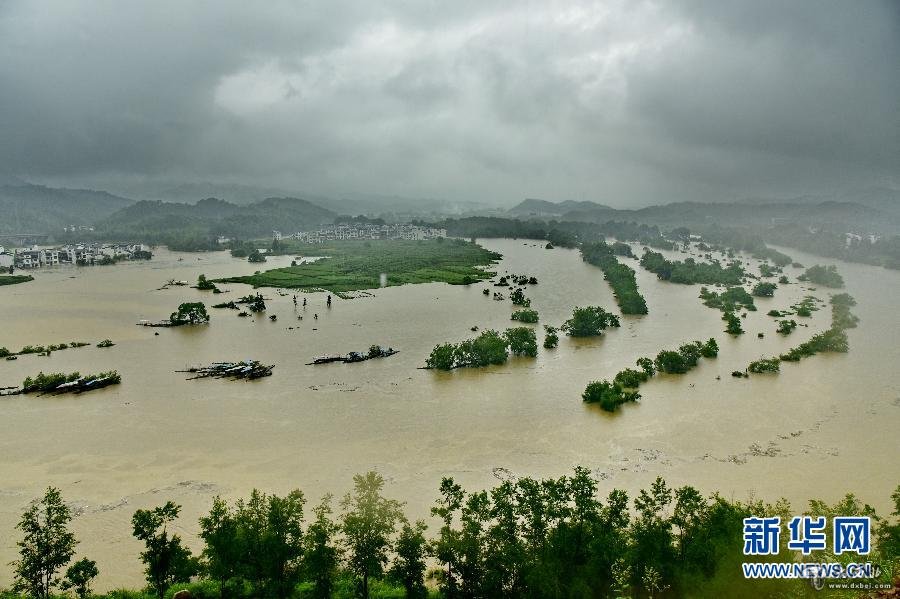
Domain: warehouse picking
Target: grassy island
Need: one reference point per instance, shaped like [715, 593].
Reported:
[356, 265]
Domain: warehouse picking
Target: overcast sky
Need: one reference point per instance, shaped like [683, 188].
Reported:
[625, 103]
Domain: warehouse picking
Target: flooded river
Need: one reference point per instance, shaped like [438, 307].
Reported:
[823, 426]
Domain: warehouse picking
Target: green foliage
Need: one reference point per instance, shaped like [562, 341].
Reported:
[489, 348]
[353, 265]
[79, 577]
[47, 545]
[832, 340]
[166, 560]
[764, 365]
[518, 298]
[630, 378]
[551, 338]
[190, 313]
[522, 341]
[443, 357]
[841, 317]
[764, 289]
[619, 276]
[409, 565]
[835, 338]
[368, 522]
[647, 365]
[589, 321]
[14, 279]
[732, 323]
[827, 276]
[690, 271]
[205, 285]
[671, 362]
[786, 327]
[44, 383]
[255, 256]
[322, 555]
[731, 299]
[526, 315]
[609, 395]
[710, 349]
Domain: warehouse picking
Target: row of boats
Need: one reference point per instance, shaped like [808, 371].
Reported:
[376, 351]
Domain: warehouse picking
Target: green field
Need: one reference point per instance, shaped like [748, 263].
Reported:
[357, 265]
[13, 279]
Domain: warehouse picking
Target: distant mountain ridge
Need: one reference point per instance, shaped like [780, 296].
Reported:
[878, 214]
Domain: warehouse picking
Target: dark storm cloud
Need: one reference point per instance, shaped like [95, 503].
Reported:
[621, 102]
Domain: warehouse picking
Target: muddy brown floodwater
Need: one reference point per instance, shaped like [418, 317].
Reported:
[821, 427]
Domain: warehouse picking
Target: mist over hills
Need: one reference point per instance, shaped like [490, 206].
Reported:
[28, 208]
[876, 210]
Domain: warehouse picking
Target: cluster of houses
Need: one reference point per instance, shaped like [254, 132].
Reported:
[79, 254]
[364, 231]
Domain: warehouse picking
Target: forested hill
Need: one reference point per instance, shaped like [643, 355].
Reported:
[195, 226]
[868, 214]
[27, 208]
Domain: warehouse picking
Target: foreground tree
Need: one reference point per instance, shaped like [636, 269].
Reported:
[322, 555]
[79, 577]
[47, 547]
[409, 564]
[166, 560]
[368, 522]
[589, 322]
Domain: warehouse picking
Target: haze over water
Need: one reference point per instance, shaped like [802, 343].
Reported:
[821, 427]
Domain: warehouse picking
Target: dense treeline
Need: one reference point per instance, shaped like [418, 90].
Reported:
[619, 276]
[690, 271]
[623, 388]
[548, 538]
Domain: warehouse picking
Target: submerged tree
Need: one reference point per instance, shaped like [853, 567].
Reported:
[522, 341]
[589, 321]
[47, 547]
[551, 338]
[190, 313]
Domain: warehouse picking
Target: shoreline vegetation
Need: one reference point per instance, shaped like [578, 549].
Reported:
[360, 265]
[14, 279]
[525, 537]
